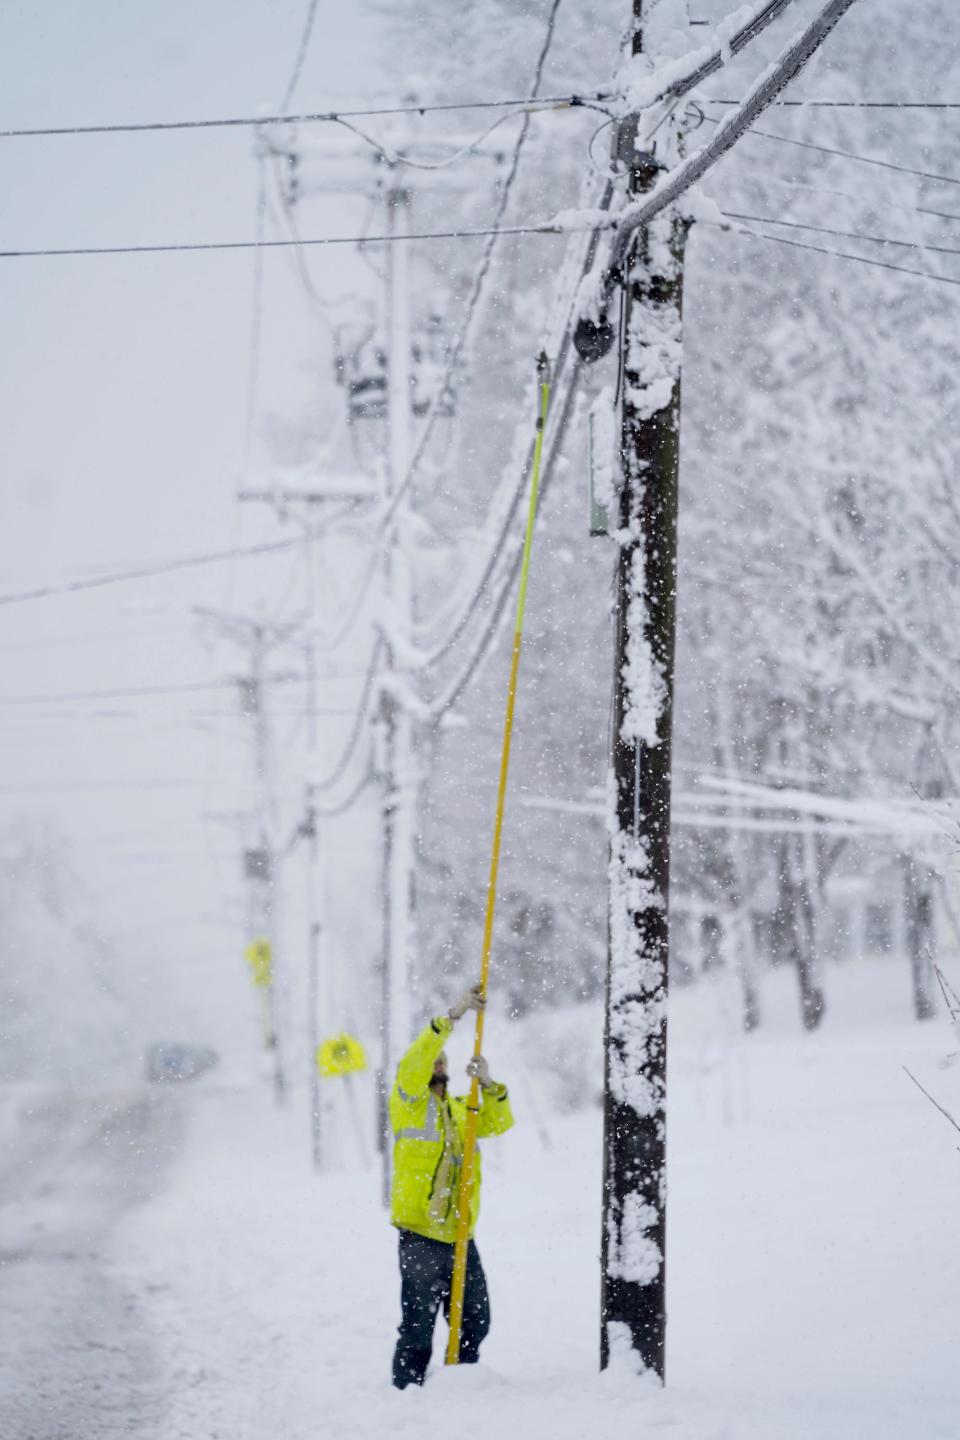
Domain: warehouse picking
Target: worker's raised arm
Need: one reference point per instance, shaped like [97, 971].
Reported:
[416, 1067]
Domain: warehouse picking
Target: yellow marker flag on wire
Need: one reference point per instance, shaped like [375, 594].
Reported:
[259, 956]
[465, 1191]
[340, 1055]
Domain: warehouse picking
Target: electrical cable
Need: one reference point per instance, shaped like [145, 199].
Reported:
[845, 234]
[147, 572]
[328, 117]
[356, 729]
[479, 588]
[853, 104]
[875, 202]
[848, 155]
[329, 812]
[843, 255]
[683, 84]
[129, 692]
[396, 157]
[768, 85]
[49, 253]
[301, 56]
[479, 280]
[187, 562]
[456, 688]
[764, 91]
[256, 318]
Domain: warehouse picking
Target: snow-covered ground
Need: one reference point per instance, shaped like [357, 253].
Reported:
[813, 1269]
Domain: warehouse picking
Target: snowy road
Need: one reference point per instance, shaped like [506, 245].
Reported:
[175, 1269]
[76, 1354]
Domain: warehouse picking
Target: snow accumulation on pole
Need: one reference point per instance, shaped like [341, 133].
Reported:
[646, 259]
[634, 1199]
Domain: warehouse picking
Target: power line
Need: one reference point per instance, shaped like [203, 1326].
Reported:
[854, 104]
[322, 117]
[844, 255]
[147, 572]
[56, 786]
[356, 730]
[770, 84]
[453, 359]
[847, 155]
[126, 693]
[45, 253]
[301, 56]
[846, 234]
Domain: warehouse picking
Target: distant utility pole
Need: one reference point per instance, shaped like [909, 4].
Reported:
[260, 856]
[309, 831]
[633, 1273]
[401, 776]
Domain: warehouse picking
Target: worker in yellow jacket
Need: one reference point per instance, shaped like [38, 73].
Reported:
[428, 1127]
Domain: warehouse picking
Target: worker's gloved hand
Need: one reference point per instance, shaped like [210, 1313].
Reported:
[472, 999]
[478, 1069]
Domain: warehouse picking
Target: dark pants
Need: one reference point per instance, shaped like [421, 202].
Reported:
[426, 1267]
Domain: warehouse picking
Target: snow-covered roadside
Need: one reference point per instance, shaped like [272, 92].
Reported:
[76, 1353]
[813, 1275]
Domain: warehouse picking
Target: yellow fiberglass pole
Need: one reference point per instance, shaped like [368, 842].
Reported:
[465, 1191]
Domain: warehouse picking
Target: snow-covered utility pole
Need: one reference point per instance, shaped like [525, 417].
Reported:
[400, 776]
[314, 931]
[645, 265]
[310, 833]
[260, 861]
[260, 855]
[633, 1310]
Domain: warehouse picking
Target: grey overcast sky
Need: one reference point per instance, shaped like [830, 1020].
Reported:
[124, 383]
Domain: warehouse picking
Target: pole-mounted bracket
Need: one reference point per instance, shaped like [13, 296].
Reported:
[593, 339]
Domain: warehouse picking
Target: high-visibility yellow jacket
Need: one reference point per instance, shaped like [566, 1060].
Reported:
[428, 1140]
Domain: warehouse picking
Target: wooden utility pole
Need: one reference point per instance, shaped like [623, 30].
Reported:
[260, 860]
[400, 782]
[633, 1311]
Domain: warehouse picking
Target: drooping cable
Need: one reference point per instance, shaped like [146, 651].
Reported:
[479, 280]
[301, 56]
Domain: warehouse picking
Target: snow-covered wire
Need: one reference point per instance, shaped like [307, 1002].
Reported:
[848, 155]
[760, 96]
[328, 812]
[397, 157]
[841, 254]
[479, 280]
[256, 320]
[476, 588]
[456, 688]
[935, 1103]
[148, 572]
[690, 71]
[356, 730]
[675, 183]
[845, 234]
